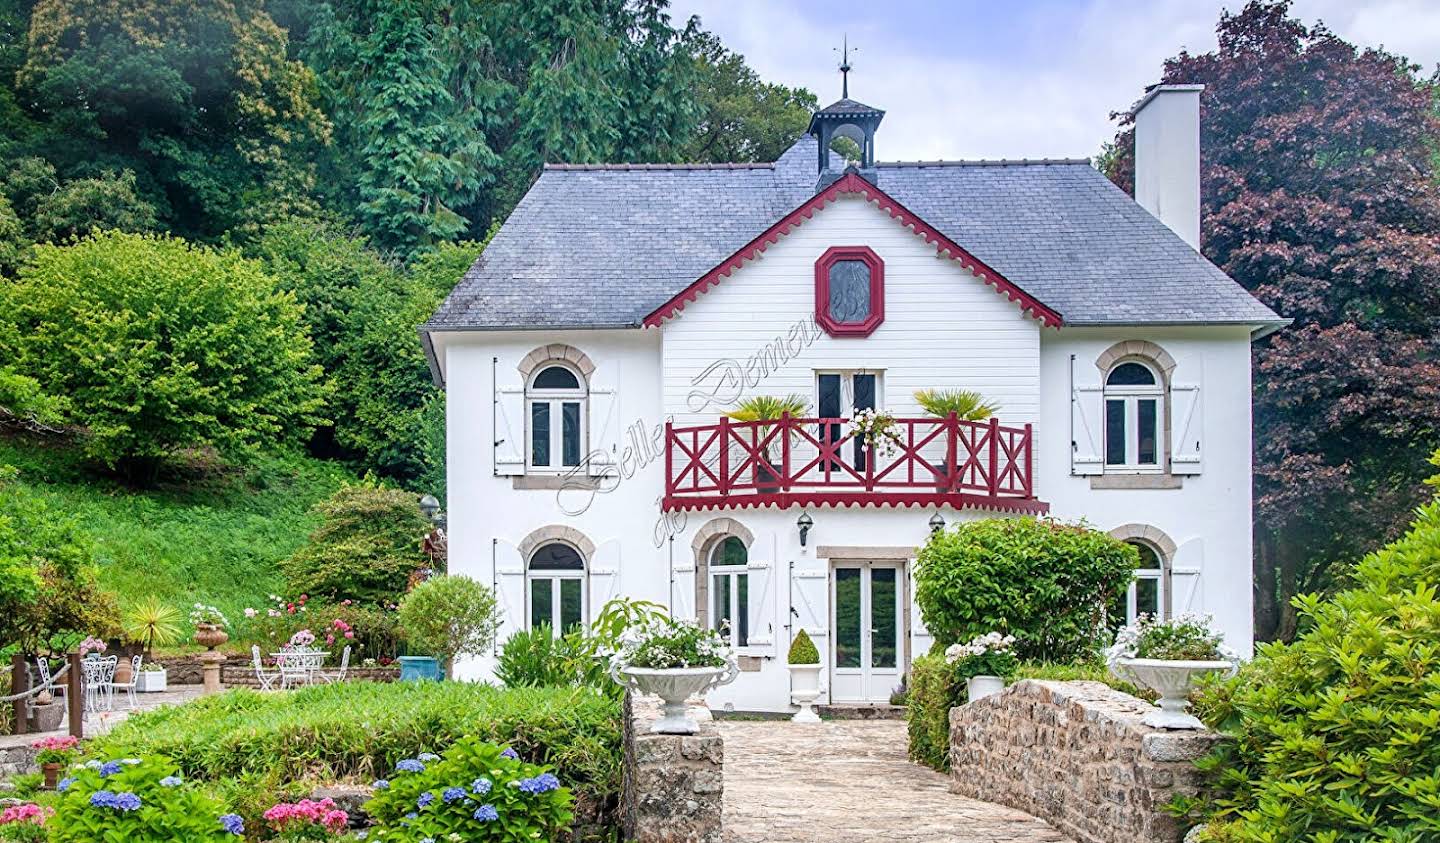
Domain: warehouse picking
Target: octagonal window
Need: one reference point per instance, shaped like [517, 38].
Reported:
[849, 291]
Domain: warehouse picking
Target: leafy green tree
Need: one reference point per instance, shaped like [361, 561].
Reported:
[449, 617]
[199, 99]
[161, 346]
[14, 245]
[366, 548]
[108, 201]
[741, 116]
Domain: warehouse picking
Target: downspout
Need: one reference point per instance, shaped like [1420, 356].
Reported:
[670, 592]
[494, 589]
[494, 417]
[1072, 415]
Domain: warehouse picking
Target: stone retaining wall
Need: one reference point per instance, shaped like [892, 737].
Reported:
[673, 783]
[1076, 754]
[238, 672]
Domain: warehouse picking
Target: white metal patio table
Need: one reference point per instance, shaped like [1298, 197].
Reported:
[299, 667]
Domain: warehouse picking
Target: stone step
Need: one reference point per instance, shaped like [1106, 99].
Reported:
[878, 711]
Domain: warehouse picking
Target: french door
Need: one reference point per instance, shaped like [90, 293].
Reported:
[866, 611]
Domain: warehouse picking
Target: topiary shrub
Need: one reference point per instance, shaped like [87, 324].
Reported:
[365, 550]
[1337, 735]
[933, 691]
[802, 650]
[1043, 581]
[449, 617]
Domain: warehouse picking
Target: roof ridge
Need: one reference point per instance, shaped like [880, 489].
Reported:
[985, 162]
[770, 165]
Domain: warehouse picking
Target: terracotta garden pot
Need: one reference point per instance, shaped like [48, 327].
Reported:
[52, 774]
[210, 636]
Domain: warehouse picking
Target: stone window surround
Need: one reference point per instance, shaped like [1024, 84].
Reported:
[558, 352]
[1146, 352]
[710, 534]
[1164, 547]
[566, 535]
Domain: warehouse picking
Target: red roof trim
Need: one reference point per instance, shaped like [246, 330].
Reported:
[783, 500]
[852, 182]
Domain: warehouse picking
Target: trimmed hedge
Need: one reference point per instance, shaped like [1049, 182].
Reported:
[359, 730]
[933, 692]
[1045, 582]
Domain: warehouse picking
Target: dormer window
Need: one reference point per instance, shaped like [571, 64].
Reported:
[849, 291]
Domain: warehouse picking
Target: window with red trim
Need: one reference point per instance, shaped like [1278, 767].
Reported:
[849, 291]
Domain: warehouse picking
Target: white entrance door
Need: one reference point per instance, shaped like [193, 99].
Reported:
[865, 614]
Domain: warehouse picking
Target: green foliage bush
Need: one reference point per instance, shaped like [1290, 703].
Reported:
[450, 616]
[126, 798]
[160, 347]
[475, 792]
[366, 548]
[535, 658]
[933, 691]
[48, 586]
[359, 730]
[1337, 735]
[802, 650]
[1045, 582]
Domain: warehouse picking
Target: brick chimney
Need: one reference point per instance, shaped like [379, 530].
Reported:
[1167, 158]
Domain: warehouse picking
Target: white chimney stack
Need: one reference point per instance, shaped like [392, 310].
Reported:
[1167, 158]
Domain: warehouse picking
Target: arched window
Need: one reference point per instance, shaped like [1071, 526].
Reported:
[555, 417]
[556, 587]
[1134, 423]
[1146, 595]
[730, 590]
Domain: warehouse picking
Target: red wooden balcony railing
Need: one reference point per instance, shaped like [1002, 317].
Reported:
[818, 461]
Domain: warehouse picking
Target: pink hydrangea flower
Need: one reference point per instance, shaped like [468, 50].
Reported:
[288, 815]
[28, 812]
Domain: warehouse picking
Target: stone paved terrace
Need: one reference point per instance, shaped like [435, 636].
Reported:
[850, 782]
[15, 753]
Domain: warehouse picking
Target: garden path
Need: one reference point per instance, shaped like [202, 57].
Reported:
[848, 781]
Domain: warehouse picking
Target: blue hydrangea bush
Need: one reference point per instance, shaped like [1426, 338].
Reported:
[136, 799]
[478, 792]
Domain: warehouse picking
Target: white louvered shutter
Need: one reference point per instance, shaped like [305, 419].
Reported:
[509, 430]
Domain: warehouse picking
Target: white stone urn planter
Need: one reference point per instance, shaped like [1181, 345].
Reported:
[150, 681]
[674, 686]
[804, 689]
[982, 686]
[1173, 681]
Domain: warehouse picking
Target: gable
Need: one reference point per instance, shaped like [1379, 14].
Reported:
[853, 185]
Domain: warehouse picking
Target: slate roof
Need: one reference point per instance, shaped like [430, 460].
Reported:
[603, 246]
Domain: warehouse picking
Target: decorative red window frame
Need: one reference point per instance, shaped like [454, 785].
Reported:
[832, 256]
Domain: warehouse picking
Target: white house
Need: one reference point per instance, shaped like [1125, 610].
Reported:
[589, 355]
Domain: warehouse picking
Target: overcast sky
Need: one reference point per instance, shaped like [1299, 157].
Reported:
[1018, 79]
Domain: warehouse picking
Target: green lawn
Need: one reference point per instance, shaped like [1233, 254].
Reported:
[215, 537]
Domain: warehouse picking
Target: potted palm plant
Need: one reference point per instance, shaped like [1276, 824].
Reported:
[763, 408]
[1168, 657]
[804, 663]
[967, 405]
[674, 660]
[151, 622]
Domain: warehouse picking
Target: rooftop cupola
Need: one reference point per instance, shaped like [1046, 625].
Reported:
[845, 118]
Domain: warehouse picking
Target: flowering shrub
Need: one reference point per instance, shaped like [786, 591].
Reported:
[476, 792]
[202, 614]
[91, 644]
[991, 654]
[1187, 637]
[876, 428]
[140, 799]
[57, 749]
[372, 630]
[668, 643]
[307, 820]
[25, 823]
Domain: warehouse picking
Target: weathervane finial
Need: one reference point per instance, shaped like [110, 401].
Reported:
[845, 67]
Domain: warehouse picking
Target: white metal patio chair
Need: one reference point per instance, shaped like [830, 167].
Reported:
[261, 675]
[99, 673]
[127, 687]
[339, 675]
[42, 664]
[299, 666]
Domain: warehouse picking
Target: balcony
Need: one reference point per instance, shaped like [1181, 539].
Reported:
[821, 461]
